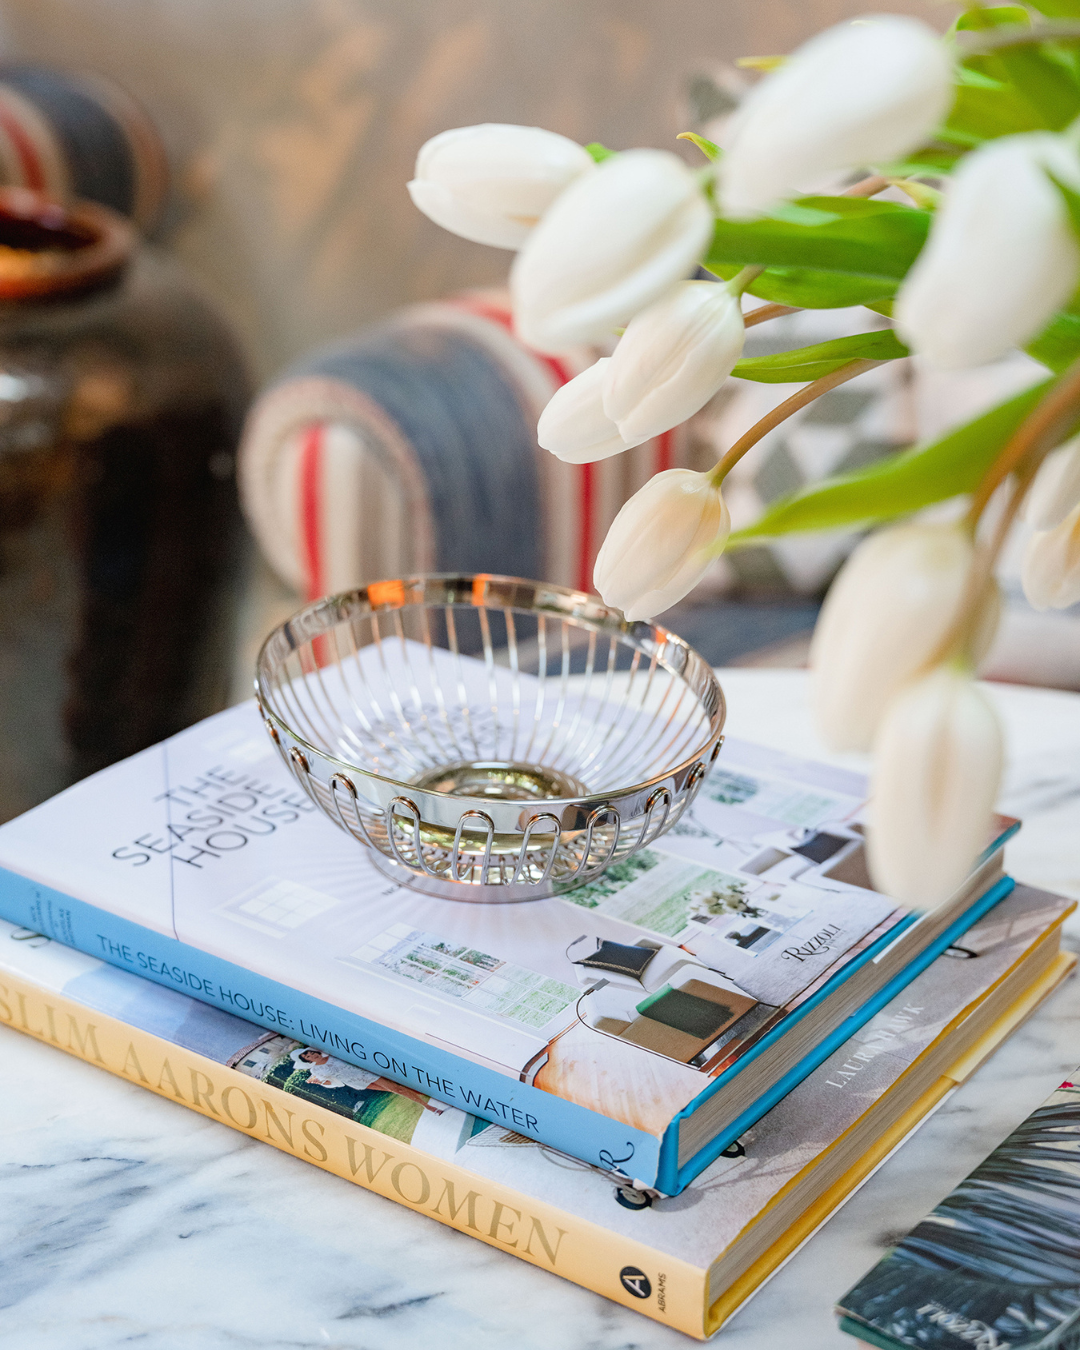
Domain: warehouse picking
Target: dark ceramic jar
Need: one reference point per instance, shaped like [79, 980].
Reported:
[121, 395]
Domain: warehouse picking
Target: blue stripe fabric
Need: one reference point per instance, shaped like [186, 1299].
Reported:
[462, 416]
[99, 158]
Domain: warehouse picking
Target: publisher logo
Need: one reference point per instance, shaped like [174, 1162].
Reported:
[635, 1282]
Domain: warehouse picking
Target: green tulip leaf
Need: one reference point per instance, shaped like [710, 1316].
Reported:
[1057, 9]
[932, 161]
[1046, 85]
[848, 235]
[599, 152]
[810, 363]
[1058, 345]
[985, 111]
[806, 289]
[993, 16]
[1071, 198]
[902, 483]
[709, 149]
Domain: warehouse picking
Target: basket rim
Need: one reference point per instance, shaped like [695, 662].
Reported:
[390, 595]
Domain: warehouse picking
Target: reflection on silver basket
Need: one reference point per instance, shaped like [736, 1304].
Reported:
[489, 738]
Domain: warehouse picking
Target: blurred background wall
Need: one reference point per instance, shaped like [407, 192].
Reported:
[293, 124]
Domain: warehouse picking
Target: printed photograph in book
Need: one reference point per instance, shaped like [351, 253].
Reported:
[997, 1263]
[692, 960]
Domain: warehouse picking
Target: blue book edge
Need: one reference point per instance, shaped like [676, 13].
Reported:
[870, 1335]
[568, 1126]
[670, 1173]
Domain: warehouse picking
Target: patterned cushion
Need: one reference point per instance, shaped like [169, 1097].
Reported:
[73, 134]
[412, 447]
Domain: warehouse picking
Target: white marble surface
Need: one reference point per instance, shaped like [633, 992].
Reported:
[127, 1221]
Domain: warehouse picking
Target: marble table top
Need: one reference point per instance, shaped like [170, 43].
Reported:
[128, 1221]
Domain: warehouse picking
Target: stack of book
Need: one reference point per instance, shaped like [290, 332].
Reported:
[732, 1010]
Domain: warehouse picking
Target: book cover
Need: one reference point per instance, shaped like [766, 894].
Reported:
[201, 864]
[997, 1264]
[688, 1262]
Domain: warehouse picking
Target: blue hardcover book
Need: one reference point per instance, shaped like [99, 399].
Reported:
[640, 1022]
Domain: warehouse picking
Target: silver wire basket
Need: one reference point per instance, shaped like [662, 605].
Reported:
[489, 738]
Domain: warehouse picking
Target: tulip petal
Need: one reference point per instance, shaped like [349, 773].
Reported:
[574, 426]
[885, 615]
[613, 242]
[1051, 569]
[673, 357]
[659, 545]
[1056, 489]
[937, 767]
[1001, 256]
[857, 94]
[491, 183]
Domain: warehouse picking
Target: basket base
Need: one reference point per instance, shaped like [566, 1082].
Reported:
[462, 890]
[501, 780]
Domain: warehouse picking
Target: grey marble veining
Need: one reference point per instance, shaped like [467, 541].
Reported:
[127, 1221]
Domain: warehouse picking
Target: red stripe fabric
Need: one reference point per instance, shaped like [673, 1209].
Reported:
[32, 170]
[586, 472]
[665, 450]
[311, 475]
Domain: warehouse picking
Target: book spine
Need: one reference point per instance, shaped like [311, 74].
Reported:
[673, 1178]
[453, 1079]
[499, 1216]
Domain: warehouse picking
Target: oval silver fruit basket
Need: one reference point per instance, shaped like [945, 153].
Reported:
[489, 738]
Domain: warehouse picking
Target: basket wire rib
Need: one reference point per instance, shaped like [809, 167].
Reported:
[487, 737]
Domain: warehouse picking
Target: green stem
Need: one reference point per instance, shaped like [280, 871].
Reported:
[744, 278]
[979, 42]
[1043, 430]
[783, 411]
[920, 193]
[1040, 432]
[765, 312]
[866, 187]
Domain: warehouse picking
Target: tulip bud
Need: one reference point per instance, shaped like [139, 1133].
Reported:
[1051, 569]
[937, 766]
[615, 240]
[1056, 489]
[892, 604]
[661, 543]
[858, 94]
[673, 357]
[574, 426]
[1001, 256]
[492, 183]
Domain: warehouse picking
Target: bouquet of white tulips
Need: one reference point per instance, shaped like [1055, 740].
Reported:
[976, 251]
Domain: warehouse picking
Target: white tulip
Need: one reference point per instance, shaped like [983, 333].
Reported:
[1001, 256]
[611, 244]
[493, 182]
[885, 615]
[1051, 568]
[661, 543]
[674, 355]
[1056, 489]
[858, 94]
[574, 426]
[937, 766]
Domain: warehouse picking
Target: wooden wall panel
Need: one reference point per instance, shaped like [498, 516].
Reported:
[297, 121]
